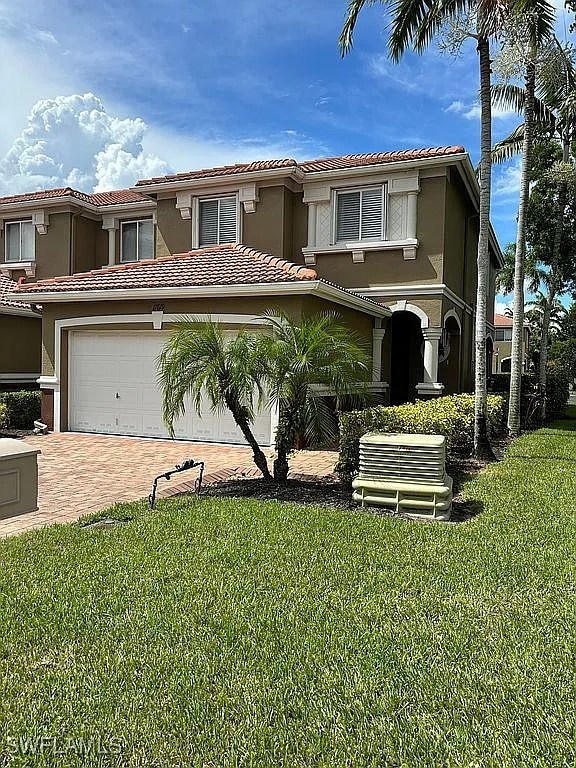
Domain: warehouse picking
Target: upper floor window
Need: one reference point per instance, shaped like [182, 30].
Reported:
[503, 334]
[360, 214]
[218, 221]
[137, 240]
[20, 240]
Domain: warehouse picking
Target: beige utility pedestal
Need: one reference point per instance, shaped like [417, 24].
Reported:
[18, 478]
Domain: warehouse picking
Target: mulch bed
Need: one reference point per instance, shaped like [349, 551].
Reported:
[330, 492]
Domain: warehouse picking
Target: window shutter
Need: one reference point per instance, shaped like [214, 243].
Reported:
[348, 216]
[227, 224]
[371, 223]
[208, 230]
[145, 240]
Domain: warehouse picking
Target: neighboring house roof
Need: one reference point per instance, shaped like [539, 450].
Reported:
[308, 166]
[115, 197]
[9, 286]
[503, 321]
[224, 270]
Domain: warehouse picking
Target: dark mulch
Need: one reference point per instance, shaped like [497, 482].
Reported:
[330, 492]
[16, 434]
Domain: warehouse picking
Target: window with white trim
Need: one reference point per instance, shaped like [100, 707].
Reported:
[217, 220]
[20, 241]
[503, 334]
[136, 240]
[360, 214]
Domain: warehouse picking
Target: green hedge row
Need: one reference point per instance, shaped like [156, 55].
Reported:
[557, 390]
[451, 416]
[3, 418]
[22, 408]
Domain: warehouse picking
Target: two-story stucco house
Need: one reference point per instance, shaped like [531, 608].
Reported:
[502, 356]
[388, 240]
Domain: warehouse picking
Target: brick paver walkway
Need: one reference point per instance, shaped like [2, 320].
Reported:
[80, 474]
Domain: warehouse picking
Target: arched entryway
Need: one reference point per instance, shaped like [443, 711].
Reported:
[506, 365]
[449, 369]
[407, 366]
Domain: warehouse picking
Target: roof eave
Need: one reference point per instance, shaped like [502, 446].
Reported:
[317, 287]
[49, 202]
[291, 172]
[385, 167]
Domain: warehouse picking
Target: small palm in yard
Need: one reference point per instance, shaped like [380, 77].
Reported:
[198, 360]
[314, 351]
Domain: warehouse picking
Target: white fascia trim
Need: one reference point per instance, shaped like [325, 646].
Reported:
[364, 245]
[20, 312]
[348, 299]
[18, 378]
[433, 289]
[384, 168]
[292, 172]
[333, 292]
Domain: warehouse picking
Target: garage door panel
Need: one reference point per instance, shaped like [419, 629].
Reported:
[103, 364]
[132, 369]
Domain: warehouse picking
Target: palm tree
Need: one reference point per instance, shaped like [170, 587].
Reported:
[505, 277]
[198, 360]
[554, 115]
[528, 33]
[414, 24]
[299, 356]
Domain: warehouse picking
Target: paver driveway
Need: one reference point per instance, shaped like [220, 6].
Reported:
[80, 474]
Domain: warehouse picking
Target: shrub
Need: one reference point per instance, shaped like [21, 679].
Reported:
[451, 416]
[22, 408]
[557, 390]
[3, 418]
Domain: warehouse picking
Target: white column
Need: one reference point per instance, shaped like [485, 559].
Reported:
[411, 215]
[430, 387]
[111, 224]
[377, 341]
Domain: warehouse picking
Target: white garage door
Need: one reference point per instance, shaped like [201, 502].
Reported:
[113, 390]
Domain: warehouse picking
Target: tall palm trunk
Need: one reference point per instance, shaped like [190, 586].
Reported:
[240, 418]
[551, 292]
[518, 304]
[481, 442]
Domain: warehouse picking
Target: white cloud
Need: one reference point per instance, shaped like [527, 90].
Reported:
[73, 141]
[500, 307]
[507, 179]
[472, 111]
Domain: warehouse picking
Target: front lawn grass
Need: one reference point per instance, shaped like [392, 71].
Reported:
[218, 632]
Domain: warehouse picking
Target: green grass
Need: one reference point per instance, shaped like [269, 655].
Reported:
[239, 633]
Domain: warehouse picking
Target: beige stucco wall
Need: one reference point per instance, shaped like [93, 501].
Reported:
[173, 233]
[20, 344]
[90, 244]
[275, 227]
[295, 306]
[384, 268]
[52, 250]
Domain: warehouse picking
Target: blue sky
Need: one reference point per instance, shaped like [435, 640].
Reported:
[216, 82]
